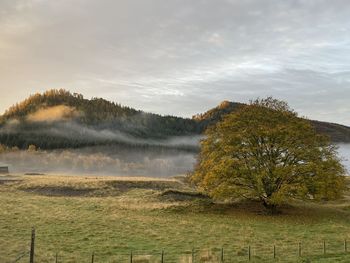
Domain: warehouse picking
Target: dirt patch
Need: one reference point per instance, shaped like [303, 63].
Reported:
[8, 181]
[175, 195]
[124, 186]
[59, 191]
[89, 187]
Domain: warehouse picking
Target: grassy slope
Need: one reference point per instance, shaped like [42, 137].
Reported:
[113, 216]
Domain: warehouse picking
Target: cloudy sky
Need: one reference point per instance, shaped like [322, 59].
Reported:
[180, 57]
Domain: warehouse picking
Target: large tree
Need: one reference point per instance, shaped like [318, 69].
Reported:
[265, 151]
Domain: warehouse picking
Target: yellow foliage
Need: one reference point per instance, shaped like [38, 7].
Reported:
[265, 151]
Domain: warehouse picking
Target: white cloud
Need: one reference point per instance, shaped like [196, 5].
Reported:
[180, 57]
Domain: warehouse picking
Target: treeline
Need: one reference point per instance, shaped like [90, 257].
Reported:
[216, 114]
[23, 140]
[96, 109]
[44, 139]
[103, 114]
[101, 122]
[95, 114]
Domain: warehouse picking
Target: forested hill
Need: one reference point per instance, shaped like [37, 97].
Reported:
[99, 113]
[216, 114]
[337, 133]
[60, 119]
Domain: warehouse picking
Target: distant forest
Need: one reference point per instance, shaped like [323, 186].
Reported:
[61, 119]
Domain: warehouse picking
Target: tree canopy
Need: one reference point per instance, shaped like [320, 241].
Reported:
[265, 151]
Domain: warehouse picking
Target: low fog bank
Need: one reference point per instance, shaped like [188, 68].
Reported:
[344, 154]
[102, 161]
[125, 148]
[114, 160]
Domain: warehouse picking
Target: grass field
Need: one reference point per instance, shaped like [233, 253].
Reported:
[75, 216]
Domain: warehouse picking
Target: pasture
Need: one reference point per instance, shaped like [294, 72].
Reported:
[75, 216]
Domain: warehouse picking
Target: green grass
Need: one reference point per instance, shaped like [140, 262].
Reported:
[115, 217]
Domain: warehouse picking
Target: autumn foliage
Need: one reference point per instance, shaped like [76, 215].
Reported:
[264, 151]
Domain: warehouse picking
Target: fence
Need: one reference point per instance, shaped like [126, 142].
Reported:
[288, 252]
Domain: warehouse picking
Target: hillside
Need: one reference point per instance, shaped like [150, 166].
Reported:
[101, 113]
[60, 119]
[337, 132]
[216, 114]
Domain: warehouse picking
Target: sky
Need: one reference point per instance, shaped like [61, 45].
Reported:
[180, 57]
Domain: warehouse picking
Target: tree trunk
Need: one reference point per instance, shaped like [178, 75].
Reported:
[271, 208]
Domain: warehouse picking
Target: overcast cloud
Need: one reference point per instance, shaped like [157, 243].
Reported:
[180, 57]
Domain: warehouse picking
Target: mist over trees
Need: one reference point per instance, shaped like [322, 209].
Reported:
[61, 119]
[263, 151]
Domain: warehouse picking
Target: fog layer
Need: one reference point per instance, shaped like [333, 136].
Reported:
[102, 161]
[344, 154]
[115, 160]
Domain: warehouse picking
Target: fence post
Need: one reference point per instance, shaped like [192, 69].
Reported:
[162, 258]
[299, 249]
[222, 254]
[249, 254]
[345, 246]
[131, 257]
[93, 257]
[192, 255]
[32, 246]
[56, 258]
[324, 247]
[274, 251]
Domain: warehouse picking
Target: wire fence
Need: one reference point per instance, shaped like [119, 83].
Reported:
[21, 256]
[258, 252]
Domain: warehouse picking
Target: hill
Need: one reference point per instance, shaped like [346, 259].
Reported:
[337, 132]
[216, 114]
[60, 119]
[99, 113]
